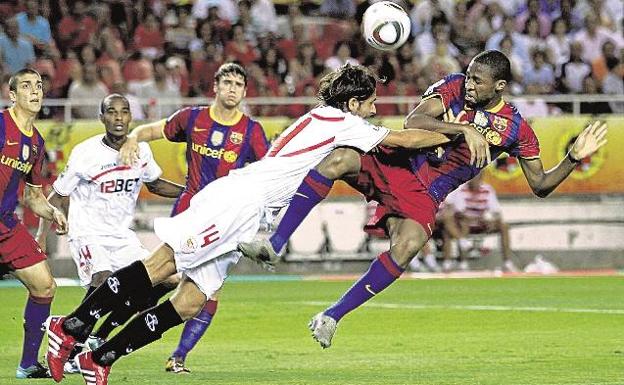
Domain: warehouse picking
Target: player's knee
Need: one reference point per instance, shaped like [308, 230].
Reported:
[404, 250]
[44, 288]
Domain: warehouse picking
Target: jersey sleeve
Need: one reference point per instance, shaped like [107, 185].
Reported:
[528, 145]
[175, 129]
[68, 180]
[259, 143]
[151, 169]
[35, 177]
[360, 134]
[447, 89]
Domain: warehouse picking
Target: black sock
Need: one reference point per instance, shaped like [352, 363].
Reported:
[145, 328]
[130, 282]
[158, 292]
[116, 318]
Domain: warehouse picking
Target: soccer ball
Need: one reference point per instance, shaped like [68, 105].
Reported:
[385, 25]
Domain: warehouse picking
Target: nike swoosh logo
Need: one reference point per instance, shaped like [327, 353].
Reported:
[368, 289]
[302, 195]
[11, 143]
[199, 129]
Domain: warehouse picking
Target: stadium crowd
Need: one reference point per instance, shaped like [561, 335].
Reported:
[158, 49]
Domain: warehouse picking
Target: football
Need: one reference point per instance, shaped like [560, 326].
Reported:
[385, 25]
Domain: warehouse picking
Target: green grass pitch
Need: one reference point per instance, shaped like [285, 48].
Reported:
[529, 331]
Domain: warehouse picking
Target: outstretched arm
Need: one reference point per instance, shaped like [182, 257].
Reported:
[587, 143]
[165, 188]
[129, 152]
[425, 115]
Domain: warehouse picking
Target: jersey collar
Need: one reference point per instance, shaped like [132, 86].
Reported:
[28, 133]
[230, 122]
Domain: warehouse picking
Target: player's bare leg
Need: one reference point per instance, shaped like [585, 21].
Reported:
[407, 237]
[41, 289]
[133, 283]
[341, 163]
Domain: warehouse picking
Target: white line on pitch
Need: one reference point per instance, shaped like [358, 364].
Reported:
[476, 307]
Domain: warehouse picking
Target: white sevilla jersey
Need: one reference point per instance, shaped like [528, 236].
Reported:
[301, 147]
[103, 192]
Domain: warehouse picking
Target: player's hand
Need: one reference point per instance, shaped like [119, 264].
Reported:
[129, 151]
[589, 141]
[478, 146]
[61, 222]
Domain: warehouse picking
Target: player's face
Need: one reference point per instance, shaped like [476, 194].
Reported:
[29, 93]
[363, 109]
[116, 117]
[230, 90]
[481, 88]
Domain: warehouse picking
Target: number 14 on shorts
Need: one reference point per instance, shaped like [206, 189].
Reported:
[203, 239]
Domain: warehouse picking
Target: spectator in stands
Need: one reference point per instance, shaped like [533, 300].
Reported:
[161, 92]
[136, 109]
[239, 49]
[605, 62]
[306, 65]
[179, 35]
[33, 26]
[149, 37]
[473, 209]
[532, 40]
[593, 37]
[540, 75]
[517, 70]
[558, 45]
[205, 39]
[426, 12]
[518, 40]
[441, 62]
[425, 44]
[343, 54]
[263, 16]
[574, 71]
[613, 82]
[76, 28]
[534, 11]
[590, 87]
[226, 9]
[339, 9]
[16, 51]
[274, 65]
[87, 89]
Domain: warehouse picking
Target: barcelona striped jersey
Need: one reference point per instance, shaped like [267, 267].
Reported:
[446, 168]
[213, 148]
[21, 159]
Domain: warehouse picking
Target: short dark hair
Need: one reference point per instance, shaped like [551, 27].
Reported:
[110, 97]
[497, 62]
[15, 78]
[348, 81]
[228, 69]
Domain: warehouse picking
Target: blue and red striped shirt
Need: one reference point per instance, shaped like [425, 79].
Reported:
[21, 159]
[214, 148]
[445, 169]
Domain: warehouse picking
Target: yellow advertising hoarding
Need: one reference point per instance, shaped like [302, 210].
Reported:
[600, 174]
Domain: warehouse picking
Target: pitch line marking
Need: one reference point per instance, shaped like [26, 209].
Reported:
[543, 309]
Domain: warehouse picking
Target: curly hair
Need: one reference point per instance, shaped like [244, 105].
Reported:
[348, 81]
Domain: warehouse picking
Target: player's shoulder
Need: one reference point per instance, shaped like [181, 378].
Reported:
[89, 146]
[510, 112]
[452, 80]
[185, 112]
[329, 114]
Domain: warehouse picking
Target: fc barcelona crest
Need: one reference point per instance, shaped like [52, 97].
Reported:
[25, 152]
[216, 138]
[499, 123]
[236, 137]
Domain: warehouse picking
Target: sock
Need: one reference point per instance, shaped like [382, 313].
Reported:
[311, 191]
[90, 290]
[194, 329]
[131, 282]
[145, 328]
[36, 312]
[120, 316]
[381, 274]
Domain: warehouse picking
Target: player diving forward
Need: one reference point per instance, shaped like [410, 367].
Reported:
[201, 241]
[100, 195]
[410, 186]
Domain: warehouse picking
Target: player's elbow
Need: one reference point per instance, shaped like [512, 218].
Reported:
[541, 192]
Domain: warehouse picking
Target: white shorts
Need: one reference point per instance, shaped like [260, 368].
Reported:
[219, 217]
[210, 276]
[93, 256]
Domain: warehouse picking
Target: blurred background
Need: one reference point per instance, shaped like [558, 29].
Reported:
[568, 66]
